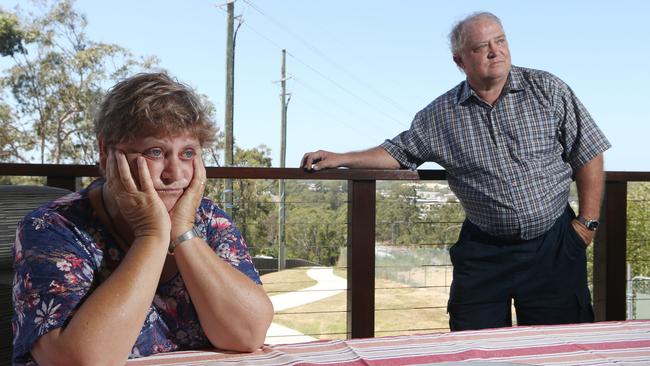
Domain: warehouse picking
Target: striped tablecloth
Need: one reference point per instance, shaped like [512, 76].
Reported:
[606, 343]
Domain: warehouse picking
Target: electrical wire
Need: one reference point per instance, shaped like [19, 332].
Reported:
[316, 71]
[326, 58]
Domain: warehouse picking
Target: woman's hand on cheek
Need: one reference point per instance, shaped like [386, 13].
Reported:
[184, 211]
[141, 207]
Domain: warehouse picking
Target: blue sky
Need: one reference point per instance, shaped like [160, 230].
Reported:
[361, 69]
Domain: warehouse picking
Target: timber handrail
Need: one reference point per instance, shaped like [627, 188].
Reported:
[609, 248]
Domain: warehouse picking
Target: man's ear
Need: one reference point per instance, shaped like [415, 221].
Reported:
[458, 60]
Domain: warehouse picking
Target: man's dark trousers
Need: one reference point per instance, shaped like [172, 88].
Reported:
[546, 277]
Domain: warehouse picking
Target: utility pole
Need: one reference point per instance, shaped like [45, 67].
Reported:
[282, 216]
[229, 103]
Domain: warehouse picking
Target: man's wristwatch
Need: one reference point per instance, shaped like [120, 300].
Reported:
[189, 234]
[588, 223]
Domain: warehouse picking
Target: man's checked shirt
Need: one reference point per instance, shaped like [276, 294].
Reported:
[510, 164]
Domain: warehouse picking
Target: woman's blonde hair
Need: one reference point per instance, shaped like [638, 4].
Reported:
[152, 102]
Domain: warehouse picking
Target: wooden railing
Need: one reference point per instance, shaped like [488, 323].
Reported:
[609, 249]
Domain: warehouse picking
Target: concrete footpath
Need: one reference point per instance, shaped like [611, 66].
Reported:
[328, 284]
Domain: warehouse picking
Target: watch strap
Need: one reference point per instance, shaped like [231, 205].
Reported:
[189, 234]
[590, 224]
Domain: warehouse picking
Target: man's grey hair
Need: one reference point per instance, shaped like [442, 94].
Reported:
[458, 36]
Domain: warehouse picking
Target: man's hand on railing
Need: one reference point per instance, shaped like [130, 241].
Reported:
[375, 158]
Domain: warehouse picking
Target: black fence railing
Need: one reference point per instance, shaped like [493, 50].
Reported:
[609, 282]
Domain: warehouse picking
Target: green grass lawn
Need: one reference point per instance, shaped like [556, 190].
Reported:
[288, 280]
[400, 309]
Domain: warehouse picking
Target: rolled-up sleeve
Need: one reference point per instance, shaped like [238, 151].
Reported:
[412, 147]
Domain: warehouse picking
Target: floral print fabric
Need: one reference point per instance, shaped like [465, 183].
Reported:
[63, 252]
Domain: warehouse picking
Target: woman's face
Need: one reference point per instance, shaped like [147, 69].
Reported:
[170, 160]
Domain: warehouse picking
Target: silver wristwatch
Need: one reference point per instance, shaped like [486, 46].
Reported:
[189, 234]
[590, 224]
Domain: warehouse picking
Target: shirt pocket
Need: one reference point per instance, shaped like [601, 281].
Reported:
[532, 132]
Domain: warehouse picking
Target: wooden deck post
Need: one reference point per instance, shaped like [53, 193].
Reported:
[361, 258]
[610, 248]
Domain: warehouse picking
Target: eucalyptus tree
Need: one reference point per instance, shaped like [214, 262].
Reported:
[57, 76]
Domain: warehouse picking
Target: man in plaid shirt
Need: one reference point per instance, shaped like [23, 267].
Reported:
[512, 140]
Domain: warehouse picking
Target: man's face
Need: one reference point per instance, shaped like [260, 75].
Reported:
[170, 161]
[485, 57]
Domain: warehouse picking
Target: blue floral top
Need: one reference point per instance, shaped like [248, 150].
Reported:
[63, 252]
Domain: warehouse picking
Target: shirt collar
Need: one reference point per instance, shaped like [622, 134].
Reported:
[515, 80]
[514, 84]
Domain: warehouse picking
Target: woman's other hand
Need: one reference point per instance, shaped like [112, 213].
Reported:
[184, 211]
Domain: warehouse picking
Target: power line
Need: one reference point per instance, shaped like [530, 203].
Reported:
[328, 59]
[327, 78]
[340, 106]
[399, 121]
